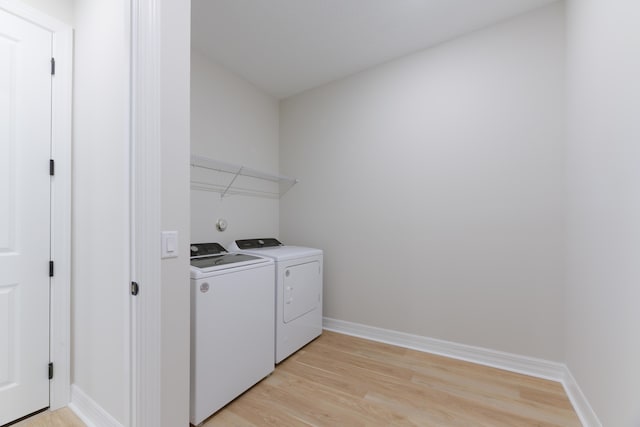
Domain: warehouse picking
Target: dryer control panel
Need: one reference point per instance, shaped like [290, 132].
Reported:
[257, 243]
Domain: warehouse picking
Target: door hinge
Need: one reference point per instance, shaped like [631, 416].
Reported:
[134, 288]
[50, 371]
[52, 167]
[50, 268]
[53, 66]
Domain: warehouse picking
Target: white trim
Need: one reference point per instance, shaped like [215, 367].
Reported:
[145, 212]
[61, 125]
[579, 401]
[126, 212]
[539, 368]
[60, 335]
[92, 414]
[498, 359]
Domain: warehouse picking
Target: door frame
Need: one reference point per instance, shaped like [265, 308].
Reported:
[145, 155]
[61, 137]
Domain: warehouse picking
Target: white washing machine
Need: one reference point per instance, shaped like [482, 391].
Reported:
[298, 278]
[232, 330]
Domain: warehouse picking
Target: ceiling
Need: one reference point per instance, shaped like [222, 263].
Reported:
[288, 46]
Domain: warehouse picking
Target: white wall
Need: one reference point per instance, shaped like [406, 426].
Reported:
[176, 33]
[603, 292]
[235, 122]
[62, 10]
[433, 183]
[100, 235]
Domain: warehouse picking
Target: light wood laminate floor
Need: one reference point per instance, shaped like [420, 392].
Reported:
[339, 380]
[61, 418]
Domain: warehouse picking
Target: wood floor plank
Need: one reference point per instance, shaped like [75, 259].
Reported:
[339, 380]
[61, 418]
[355, 362]
[228, 418]
[505, 404]
[360, 408]
[400, 390]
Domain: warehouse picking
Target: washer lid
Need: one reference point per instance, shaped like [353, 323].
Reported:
[283, 253]
[211, 257]
[207, 262]
[227, 263]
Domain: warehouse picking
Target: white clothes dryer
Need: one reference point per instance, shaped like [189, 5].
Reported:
[232, 330]
[298, 283]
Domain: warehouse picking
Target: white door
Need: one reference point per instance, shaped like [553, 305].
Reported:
[25, 144]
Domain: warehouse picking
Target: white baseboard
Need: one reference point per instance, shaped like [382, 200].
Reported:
[579, 401]
[92, 414]
[539, 368]
[511, 362]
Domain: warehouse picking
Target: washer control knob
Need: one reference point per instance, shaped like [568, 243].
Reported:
[221, 224]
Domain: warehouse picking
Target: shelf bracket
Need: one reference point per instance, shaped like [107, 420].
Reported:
[232, 181]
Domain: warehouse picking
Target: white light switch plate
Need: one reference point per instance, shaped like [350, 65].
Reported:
[169, 244]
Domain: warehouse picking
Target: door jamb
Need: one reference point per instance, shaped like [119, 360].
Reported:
[61, 136]
[145, 213]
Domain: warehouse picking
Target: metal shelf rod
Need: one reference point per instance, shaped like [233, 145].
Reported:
[239, 170]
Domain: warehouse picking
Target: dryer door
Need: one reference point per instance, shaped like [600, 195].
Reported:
[302, 287]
